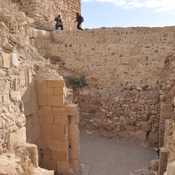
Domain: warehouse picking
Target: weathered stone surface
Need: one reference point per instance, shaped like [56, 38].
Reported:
[155, 164]
[140, 135]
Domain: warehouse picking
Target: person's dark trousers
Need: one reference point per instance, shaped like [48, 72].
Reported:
[57, 26]
[78, 26]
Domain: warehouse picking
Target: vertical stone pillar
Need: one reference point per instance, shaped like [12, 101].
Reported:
[165, 113]
[58, 124]
[163, 157]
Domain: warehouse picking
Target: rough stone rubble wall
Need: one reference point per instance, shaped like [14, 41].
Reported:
[49, 9]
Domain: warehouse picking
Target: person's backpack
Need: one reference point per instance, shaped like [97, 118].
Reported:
[81, 19]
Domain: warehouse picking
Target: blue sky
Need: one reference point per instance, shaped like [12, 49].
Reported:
[128, 13]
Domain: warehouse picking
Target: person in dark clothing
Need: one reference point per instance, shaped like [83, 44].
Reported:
[78, 20]
[58, 22]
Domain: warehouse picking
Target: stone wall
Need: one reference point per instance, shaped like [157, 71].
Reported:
[59, 141]
[49, 9]
[110, 56]
[21, 120]
[124, 111]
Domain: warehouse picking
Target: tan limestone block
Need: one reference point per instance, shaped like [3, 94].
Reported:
[6, 60]
[55, 100]
[60, 120]
[58, 146]
[58, 133]
[171, 168]
[49, 164]
[41, 83]
[73, 130]
[46, 132]
[42, 100]
[74, 153]
[66, 110]
[62, 167]
[85, 109]
[59, 91]
[56, 83]
[45, 90]
[45, 110]
[74, 119]
[46, 119]
[27, 109]
[59, 155]
[74, 143]
[46, 154]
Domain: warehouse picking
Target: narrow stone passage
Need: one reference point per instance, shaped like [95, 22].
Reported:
[101, 156]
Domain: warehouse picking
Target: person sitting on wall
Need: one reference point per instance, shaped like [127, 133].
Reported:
[78, 19]
[58, 22]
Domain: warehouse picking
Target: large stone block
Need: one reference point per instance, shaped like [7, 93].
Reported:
[66, 110]
[61, 120]
[59, 156]
[140, 135]
[56, 83]
[153, 137]
[49, 164]
[74, 119]
[46, 119]
[46, 154]
[58, 133]
[42, 100]
[62, 167]
[146, 127]
[45, 90]
[58, 146]
[84, 95]
[55, 100]
[46, 110]
[59, 91]
[46, 132]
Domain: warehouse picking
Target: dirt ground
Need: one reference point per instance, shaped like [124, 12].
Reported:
[101, 156]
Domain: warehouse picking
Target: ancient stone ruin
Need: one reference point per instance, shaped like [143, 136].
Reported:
[130, 91]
